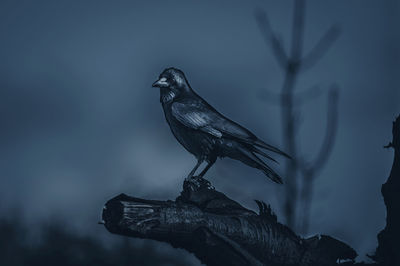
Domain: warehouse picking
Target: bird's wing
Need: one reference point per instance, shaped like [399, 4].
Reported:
[196, 116]
[200, 116]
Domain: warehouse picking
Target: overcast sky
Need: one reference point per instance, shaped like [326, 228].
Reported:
[81, 122]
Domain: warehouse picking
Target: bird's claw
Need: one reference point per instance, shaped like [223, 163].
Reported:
[193, 181]
[196, 182]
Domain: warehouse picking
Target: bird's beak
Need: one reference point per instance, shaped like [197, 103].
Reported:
[162, 82]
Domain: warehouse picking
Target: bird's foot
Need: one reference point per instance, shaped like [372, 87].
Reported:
[197, 182]
[193, 182]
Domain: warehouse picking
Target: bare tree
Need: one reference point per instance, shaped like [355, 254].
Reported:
[300, 173]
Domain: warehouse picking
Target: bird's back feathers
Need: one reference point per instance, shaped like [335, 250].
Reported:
[198, 115]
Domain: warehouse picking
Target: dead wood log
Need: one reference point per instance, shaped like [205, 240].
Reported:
[218, 230]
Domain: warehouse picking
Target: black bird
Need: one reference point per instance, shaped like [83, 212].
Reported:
[206, 133]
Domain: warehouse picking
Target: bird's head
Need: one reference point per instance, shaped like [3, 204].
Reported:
[172, 78]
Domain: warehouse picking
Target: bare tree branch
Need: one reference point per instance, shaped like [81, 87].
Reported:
[330, 132]
[389, 145]
[298, 30]
[271, 38]
[321, 48]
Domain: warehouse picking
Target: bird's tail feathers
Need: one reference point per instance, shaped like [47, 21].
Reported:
[258, 151]
[266, 146]
[272, 175]
[254, 161]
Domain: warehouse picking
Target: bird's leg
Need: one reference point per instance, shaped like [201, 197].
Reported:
[206, 168]
[199, 162]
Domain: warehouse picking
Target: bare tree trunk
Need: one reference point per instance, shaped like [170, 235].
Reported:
[291, 182]
[387, 252]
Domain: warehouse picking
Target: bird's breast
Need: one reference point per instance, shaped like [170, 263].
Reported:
[196, 142]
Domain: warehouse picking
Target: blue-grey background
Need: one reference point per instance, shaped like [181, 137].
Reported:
[80, 122]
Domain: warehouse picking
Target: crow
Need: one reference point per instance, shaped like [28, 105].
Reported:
[205, 132]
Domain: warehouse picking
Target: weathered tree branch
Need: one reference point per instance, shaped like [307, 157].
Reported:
[218, 230]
